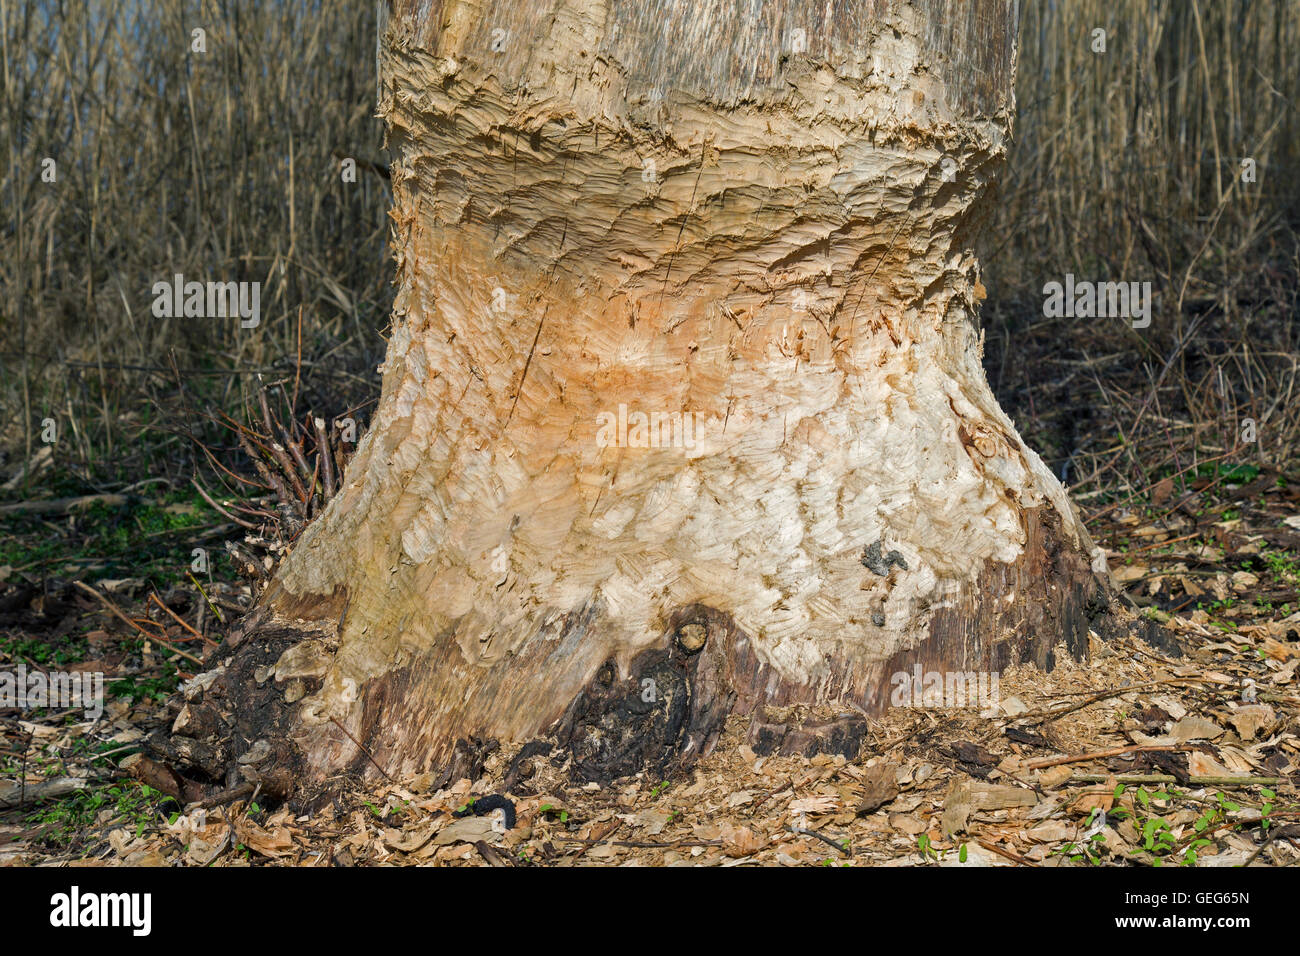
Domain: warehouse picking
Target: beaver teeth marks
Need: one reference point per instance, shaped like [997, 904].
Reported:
[875, 560]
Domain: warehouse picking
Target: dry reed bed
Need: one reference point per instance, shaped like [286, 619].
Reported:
[225, 165]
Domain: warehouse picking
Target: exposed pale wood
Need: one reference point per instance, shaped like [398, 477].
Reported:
[666, 206]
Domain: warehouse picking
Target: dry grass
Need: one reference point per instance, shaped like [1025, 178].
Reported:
[225, 166]
[1127, 166]
[220, 166]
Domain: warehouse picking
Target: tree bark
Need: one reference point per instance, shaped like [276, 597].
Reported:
[752, 223]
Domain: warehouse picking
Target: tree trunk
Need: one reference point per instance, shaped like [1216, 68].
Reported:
[683, 413]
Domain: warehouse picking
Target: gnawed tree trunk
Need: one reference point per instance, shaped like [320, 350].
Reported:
[751, 223]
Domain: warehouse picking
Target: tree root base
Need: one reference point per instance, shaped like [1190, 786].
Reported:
[240, 722]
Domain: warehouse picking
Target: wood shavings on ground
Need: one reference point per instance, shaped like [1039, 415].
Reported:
[1181, 749]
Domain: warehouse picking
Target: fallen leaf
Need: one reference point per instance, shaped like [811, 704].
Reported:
[273, 843]
[1053, 831]
[603, 851]
[1237, 761]
[879, 786]
[1203, 765]
[1171, 706]
[995, 796]
[741, 841]
[1251, 719]
[651, 821]
[956, 807]
[1013, 706]
[910, 824]
[468, 830]
[976, 856]
[1130, 572]
[1195, 728]
[206, 844]
[1279, 651]
[1102, 798]
[408, 841]
[816, 804]
[1053, 777]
